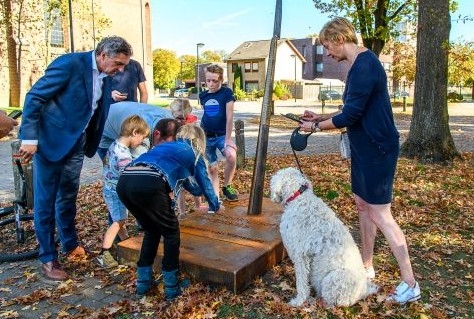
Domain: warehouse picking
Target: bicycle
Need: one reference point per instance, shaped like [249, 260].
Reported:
[20, 225]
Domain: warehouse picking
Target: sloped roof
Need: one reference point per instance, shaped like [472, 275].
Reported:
[256, 50]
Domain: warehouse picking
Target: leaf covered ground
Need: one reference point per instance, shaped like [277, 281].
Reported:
[433, 205]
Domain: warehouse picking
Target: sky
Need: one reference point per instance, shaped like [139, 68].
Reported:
[178, 25]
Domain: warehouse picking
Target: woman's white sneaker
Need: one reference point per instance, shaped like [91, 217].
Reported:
[404, 293]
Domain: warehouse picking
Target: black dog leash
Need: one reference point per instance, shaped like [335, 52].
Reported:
[298, 142]
[297, 161]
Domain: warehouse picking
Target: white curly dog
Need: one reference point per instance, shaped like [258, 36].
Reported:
[323, 251]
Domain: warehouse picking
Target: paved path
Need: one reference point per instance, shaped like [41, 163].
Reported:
[461, 122]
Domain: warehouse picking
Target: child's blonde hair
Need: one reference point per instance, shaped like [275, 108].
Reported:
[215, 68]
[180, 108]
[197, 137]
[135, 124]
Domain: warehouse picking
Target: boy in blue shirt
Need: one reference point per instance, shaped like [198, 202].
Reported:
[217, 122]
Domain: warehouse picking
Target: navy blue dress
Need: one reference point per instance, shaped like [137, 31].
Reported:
[367, 114]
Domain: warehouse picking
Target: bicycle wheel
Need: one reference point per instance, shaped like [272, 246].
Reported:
[11, 247]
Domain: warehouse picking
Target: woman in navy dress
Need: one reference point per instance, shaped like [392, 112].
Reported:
[374, 140]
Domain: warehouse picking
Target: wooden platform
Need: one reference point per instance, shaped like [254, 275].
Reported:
[228, 249]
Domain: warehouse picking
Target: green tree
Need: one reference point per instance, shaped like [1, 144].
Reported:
[461, 64]
[404, 62]
[238, 79]
[374, 19]
[210, 56]
[166, 67]
[189, 66]
[429, 139]
[13, 67]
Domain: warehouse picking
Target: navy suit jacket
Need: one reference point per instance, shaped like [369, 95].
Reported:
[58, 108]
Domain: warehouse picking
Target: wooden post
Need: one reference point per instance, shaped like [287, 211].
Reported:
[240, 143]
[28, 170]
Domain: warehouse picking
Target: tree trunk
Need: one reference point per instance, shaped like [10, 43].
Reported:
[429, 139]
[14, 99]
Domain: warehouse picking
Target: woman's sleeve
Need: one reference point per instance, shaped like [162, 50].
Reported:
[359, 86]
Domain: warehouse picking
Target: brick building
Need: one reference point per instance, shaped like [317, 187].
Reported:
[38, 45]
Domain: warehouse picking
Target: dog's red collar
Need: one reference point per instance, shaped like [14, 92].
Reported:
[297, 193]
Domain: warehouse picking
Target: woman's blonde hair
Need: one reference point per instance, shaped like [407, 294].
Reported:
[338, 30]
[180, 107]
[197, 137]
[133, 124]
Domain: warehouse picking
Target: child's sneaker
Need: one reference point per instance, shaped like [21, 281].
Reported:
[404, 293]
[106, 260]
[229, 193]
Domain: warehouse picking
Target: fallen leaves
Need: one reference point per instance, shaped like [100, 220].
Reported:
[432, 204]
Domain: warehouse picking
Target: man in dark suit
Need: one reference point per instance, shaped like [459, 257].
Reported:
[63, 119]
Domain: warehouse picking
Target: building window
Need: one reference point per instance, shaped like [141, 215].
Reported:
[54, 20]
[251, 86]
[319, 49]
[254, 66]
[304, 50]
[248, 67]
[234, 67]
[319, 67]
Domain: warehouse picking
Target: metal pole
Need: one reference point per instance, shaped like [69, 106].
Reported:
[294, 57]
[71, 33]
[198, 80]
[181, 73]
[256, 191]
[404, 98]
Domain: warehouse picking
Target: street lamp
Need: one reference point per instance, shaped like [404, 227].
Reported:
[294, 57]
[181, 72]
[198, 80]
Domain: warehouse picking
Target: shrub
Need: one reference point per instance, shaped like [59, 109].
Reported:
[239, 94]
[454, 96]
[281, 90]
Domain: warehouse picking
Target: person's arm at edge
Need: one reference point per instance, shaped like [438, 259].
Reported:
[6, 124]
[142, 90]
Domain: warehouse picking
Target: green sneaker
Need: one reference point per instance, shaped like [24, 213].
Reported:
[229, 193]
[106, 260]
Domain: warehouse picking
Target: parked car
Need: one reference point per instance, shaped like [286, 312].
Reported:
[398, 94]
[181, 93]
[329, 95]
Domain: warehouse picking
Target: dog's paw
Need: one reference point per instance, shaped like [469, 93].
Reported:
[296, 302]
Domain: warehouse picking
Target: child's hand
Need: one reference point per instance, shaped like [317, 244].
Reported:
[230, 144]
